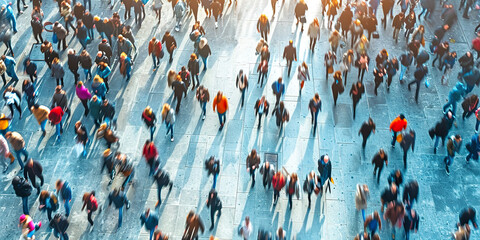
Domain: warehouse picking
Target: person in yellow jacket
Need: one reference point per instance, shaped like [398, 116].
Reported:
[40, 113]
[4, 124]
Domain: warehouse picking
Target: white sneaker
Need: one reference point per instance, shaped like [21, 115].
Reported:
[171, 139]
[203, 117]
[216, 25]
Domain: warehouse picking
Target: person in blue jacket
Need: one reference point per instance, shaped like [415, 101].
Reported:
[65, 192]
[98, 87]
[473, 148]
[10, 64]
[150, 220]
[10, 16]
[458, 92]
[104, 71]
[119, 198]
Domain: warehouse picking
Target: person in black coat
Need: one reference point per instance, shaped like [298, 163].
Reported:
[59, 224]
[356, 92]
[30, 68]
[162, 178]
[410, 222]
[419, 75]
[392, 67]
[73, 61]
[105, 47]
[395, 177]
[290, 54]
[33, 169]
[119, 199]
[449, 15]
[388, 195]
[366, 128]
[179, 89]
[378, 74]
[22, 189]
[170, 44]
[128, 7]
[108, 158]
[212, 166]
[378, 160]
[50, 54]
[107, 111]
[214, 203]
[410, 194]
[138, 9]
[467, 215]
[88, 22]
[194, 69]
[37, 29]
[387, 6]
[261, 107]
[441, 129]
[408, 140]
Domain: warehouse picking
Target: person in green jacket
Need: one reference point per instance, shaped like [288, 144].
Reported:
[94, 105]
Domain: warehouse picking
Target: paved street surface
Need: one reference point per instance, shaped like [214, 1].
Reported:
[233, 46]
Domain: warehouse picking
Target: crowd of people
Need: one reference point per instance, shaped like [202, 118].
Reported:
[117, 47]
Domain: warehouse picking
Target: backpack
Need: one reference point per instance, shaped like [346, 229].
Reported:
[94, 203]
[54, 201]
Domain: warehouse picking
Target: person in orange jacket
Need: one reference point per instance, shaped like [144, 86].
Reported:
[220, 102]
[278, 182]
[397, 125]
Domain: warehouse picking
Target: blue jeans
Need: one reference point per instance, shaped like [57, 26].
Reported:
[156, 60]
[25, 205]
[437, 138]
[314, 118]
[83, 42]
[203, 105]
[58, 128]
[159, 194]
[67, 207]
[449, 160]
[14, 76]
[204, 60]
[87, 73]
[402, 71]
[128, 179]
[214, 180]
[63, 236]
[394, 137]
[222, 116]
[120, 216]
[129, 70]
[152, 131]
[43, 124]
[476, 125]
[90, 33]
[170, 129]
[13, 21]
[453, 104]
[243, 96]
[89, 4]
[151, 233]
[19, 159]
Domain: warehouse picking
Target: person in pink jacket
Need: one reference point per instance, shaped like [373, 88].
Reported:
[84, 94]
[28, 226]
[5, 153]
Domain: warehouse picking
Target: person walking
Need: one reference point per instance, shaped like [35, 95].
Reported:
[356, 92]
[73, 61]
[453, 145]
[278, 90]
[329, 60]
[242, 84]
[473, 148]
[220, 103]
[203, 96]
[406, 60]
[302, 75]
[192, 225]
[366, 128]
[395, 214]
[252, 163]
[408, 139]
[150, 153]
[82, 34]
[362, 64]
[290, 54]
[357, 31]
[179, 89]
[162, 178]
[292, 187]
[469, 106]
[458, 92]
[212, 166]
[281, 114]
[325, 170]
[347, 64]
[150, 220]
[86, 63]
[125, 66]
[246, 228]
[278, 182]
[362, 194]
[391, 68]
[378, 159]
[397, 125]
[22, 189]
[267, 171]
[378, 74]
[98, 87]
[410, 222]
[466, 216]
[155, 49]
[315, 106]
[84, 95]
[261, 107]
[119, 199]
[419, 75]
[48, 201]
[94, 105]
[300, 9]
[28, 226]
[29, 68]
[262, 70]
[168, 116]
[334, 40]
[311, 185]
[314, 33]
[204, 51]
[5, 153]
[194, 69]
[90, 201]
[61, 33]
[32, 170]
[103, 71]
[40, 113]
[82, 136]
[214, 203]
[410, 194]
[263, 26]
[18, 145]
[397, 25]
[170, 44]
[148, 117]
[65, 192]
[55, 117]
[441, 129]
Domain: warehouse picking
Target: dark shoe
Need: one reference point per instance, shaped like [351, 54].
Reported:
[170, 188]
[434, 150]
[44, 133]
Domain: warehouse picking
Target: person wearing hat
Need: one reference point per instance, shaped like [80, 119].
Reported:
[290, 54]
[28, 226]
[148, 117]
[170, 44]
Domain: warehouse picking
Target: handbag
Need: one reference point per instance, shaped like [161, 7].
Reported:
[399, 138]
[54, 38]
[303, 19]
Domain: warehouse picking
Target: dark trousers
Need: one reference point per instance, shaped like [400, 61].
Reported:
[405, 158]
[89, 217]
[75, 74]
[364, 141]
[34, 182]
[18, 5]
[314, 120]
[179, 101]
[63, 42]
[260, 121]
[252, 175]
[335, 96]
[85, 105]
[440, 58]
[379, 167]
[416, 90]
[33, 77]
[290, 201]
[38, 36]
[25, 205]
[355, 102]
[59, 80]
[105, 80]
[313, 41]
[17, 107]
[127, 12]
[266, 181]
[264, 35]
[212, 214]
[362, 73]
[195, 76]
[171, 56]
[345, 74]
[394, 138]
[261, 76]
[4, 79]
[276, 194]
[289, 64]
[389, 81]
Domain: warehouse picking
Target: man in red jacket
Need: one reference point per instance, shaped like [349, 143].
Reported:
[278, 182]
[55, 117]
[150, 154]
[398, 124]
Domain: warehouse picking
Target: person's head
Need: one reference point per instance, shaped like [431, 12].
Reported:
[247, 220]
[44, 194]
[193, 56]
[165, 109]
[282, 105]
[30, 162]
[280, 80]
[167, 33]
[421, 28]
[398, 173]
[59, 184]
[468, 53]
[56, 61]
[8, 135]
[58, 88]
[294, 177]
[458, 138]
[120, 38]
[393, 188]
[446, 27]
[105, 20]
[401, 15]
[123, 56]
[78, 124]
[290, 42]
[316, 97]
[147, 212]
[105, 102]
[315, 22]
[263, 18]
[219, 96]
[79, 84]
[253, 153]
[84, 53]
[381, 152]
[453, 54]
[401, 116]
[280, 233]
[97, 79]
[79, 23]
[22, 218]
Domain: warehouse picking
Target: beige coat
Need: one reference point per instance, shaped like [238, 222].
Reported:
[41, 113]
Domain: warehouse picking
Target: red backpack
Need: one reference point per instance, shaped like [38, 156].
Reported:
[93, 202]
